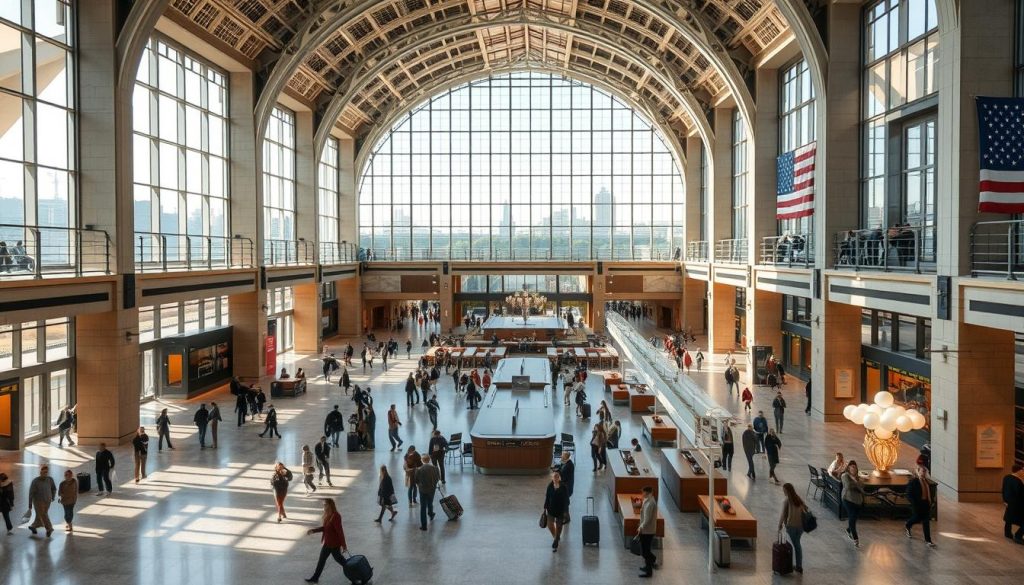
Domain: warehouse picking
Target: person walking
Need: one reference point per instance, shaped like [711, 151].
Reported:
[807, 391]
[322, 454]
[761, 428]
[427, 477]
[647, 529]
[1013, 497]
[408, 349]
[410, 465]
[308, 470]
[334, 425]
[772, 445]
[241, 405]
[201, 419]
[67, 495]
[333, 539]
[749, 441]
[779, 410]
[919, 492]
[215, 419]
[728, 447]
[699, 357]
[41, 493]
[437, 448]
[432, 408]
[346, 381]
[567, 469]
[279, 482]
[163, 431]
[853, 499]
[6, 500]
[260, 399]
[598, 444]
[393, 424]
[104, 466]
[410, 390]
[64, 422]
[270, 423]
[556, 506]
[370, 426]
[386, 497]
[747, 399]
[140, 447]
[792, 521]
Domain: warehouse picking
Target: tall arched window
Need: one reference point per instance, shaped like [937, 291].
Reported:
[522, 166]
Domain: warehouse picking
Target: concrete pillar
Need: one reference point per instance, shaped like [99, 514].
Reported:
[246, 184]
[691, 178]
[350, 307]
[449, 318]
[307, 317]
[347, 195]
[761, 220]
[720, 186]
[840, 331]
[600, 296]
[107, 379]
[764, 320]
[693, 304]
[249, 321]
[305, 185]
[722, 318]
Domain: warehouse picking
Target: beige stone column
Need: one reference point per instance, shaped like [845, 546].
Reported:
[347, 195]
[761, 209]
[307, 317]
[693, 304]
[722, 318]
[246, 183]
[600, 297]
[691, 179]
[107, 379]
[350, 307]
[446, 296]
[305, 184]
[720, 186]
[764, 320]
[836, 341]
[249, 328]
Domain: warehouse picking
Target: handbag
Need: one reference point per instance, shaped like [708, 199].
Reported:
[393, 499]
[634, 545]
[808, 520]
[543, 523]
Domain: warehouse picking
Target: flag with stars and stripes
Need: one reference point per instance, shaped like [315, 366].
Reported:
[1001, 149]
[795, 177]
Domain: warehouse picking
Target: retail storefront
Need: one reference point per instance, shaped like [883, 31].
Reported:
[796, 336]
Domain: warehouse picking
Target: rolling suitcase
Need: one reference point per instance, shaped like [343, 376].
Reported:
[358, 570]
[723, 548]
[451, 507]
[84, 482]
[782, 557]
[353, 442]
[586, 410]
[591, 525]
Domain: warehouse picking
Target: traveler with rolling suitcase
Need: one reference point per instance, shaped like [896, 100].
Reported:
[792, 521]
[427, 478]
[333, 539]
[556, 507]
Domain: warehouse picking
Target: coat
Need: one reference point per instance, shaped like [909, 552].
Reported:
[7, 496]
[1013, 497]
[749, 440]
[916, 494]
[333, 533]
[68, 492]
[556, 501]
[385, 491]
[772, 444]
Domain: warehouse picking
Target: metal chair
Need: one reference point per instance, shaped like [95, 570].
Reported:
[568, 443]
[816, 481]
[454, 445]
[467, 453]
[556, 455]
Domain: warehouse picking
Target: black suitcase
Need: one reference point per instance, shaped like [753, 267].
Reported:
[84, 482]
[353, 442]
[782, 557]
[586, 410]
[451, 507]
[591, 525]
[358, 570]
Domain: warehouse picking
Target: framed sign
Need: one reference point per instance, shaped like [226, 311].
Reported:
[844, 383]
[989, 446]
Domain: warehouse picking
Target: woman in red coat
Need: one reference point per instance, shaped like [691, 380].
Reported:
[333, 539]
[487, 380]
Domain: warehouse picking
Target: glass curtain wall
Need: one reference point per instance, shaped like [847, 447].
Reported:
[523, 165]
[796, 127]
[279, 188]
[37, 131]
[181, 157]
[739, 176]
[327, 192]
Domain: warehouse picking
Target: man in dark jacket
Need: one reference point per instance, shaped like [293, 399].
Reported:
[410, 391]
[432, 408]
[104, 465]
[807, 391]
[437, 448]
[761, 428]
[270, 423]
[334, 424]
[426, 478]
[567, 469]
[241, 405]
[201, 419]
[322, 452]
[919, 492]
[1013, 497]
[750, 441]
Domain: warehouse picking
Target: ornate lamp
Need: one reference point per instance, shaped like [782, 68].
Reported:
[883, 422]
[524, 301]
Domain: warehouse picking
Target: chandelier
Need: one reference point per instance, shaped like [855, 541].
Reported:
[883, 422]
[524, 301]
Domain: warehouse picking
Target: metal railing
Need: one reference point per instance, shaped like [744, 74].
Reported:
[35, 250]
[165, 252]
[337, 252]
[732, 251]
[788, 250]
[287, 252]
[997, 248]
[898, 248]
[697, 251]
[518, 255]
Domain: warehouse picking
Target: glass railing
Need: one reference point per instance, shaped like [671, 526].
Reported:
[788, 250]
[898, 248]
[37, 251]
[287, 252]
[697, 251]
[337, 252]
[997, 248]
[164, 252]
[517, 255]
[732, 251]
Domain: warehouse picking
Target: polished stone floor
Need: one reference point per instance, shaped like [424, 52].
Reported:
[208, 516]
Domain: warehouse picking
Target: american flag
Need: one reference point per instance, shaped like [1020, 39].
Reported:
[1001, 147]
[795, 176]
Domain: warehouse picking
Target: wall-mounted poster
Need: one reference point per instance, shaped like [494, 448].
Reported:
[844, 383]
[989, 447]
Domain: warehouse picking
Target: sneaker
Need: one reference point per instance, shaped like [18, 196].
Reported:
[32, 529]
[907, 532]
[49, 533]
[930, 544]
[856, 544]
[99, 494]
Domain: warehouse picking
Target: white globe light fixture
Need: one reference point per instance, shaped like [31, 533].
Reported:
[883, 421]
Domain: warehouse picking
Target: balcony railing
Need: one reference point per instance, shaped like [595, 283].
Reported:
[34, 250]
[997, 248]
[338, 252]
[731, 251]
[898, 248]
[164, 252]
[697, 251]
[287, 252]
[788, 250]
[515, 255]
